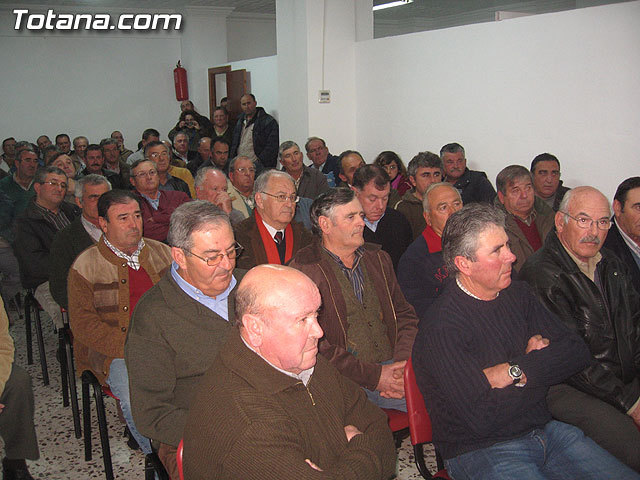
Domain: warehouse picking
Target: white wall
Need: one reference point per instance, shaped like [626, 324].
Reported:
[263, 81]
[566, 83]
[251, 36]
[91, 84]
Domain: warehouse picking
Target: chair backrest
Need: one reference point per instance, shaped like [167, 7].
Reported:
[179, 459]
[419, 421]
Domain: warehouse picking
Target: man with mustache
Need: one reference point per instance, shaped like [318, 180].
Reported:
[270, 235]
[590, 289]
[474, 186]
[104, 284]
[529, 219]
[180, 324]
[368, 325]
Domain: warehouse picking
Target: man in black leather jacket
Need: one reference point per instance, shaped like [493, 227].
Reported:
[590, 289]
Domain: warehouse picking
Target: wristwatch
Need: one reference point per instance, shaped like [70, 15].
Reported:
[515, 372]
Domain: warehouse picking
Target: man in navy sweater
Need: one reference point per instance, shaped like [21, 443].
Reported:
[486, 360]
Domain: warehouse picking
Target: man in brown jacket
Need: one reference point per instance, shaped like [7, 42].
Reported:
[270, 407]
[369, 326]
[104, 284]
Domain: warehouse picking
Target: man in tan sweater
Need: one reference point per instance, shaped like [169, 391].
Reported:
[270, 407]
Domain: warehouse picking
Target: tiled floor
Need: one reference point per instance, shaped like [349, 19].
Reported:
[62, 455]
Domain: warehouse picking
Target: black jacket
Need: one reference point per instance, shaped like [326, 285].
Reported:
[474, 186]
[617, 245]
[266, 138]
[34, 236]
[609, 323]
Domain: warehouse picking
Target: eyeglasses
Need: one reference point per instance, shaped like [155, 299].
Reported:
[155, 155]
[245, 170]
[585, 222]
[150, 174]
[232, 253]
[293, 198]
[56, 185]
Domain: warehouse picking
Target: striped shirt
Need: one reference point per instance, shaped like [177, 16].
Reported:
[353, 274]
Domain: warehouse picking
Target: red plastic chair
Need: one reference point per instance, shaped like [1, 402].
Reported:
[398, 423]
[419, 424]
[179, 458]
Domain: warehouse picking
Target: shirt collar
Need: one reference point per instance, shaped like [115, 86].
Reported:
[303, 376]
[372, 225]
[356, 261]
[588, 267]
[196, 293]
[133, 260]
[628, 240]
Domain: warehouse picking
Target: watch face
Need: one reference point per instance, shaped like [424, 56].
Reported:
[515, 371]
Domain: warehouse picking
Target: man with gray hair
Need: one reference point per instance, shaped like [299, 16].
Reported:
[79, 235]
[181, 322]
[322, 160]
[80, 145]
[242, 175]
[271, 235]
[591, 290]
[529, 219]
[424, 169]
[368, 325]
[46, 214]
[487, 401]
[309, 182]
[211, 185]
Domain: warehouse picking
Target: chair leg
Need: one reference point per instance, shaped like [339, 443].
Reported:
[418, 455]
[104, 433]
[153, 466]
[27, 323]
[40, 338]
[71, 375]
[86, 416]
[63, 369]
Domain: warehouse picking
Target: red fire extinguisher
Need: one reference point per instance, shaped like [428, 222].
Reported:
[180, 80]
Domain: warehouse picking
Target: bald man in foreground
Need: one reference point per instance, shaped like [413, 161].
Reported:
[288, 413]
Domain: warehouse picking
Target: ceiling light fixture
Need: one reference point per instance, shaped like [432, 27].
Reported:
[396, 3]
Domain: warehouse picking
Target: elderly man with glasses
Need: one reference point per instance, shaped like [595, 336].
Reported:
[271, 235]
[179, 325]
[591, 290]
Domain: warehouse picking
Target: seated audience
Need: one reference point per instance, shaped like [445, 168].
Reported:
[111, 152]
[424, 169]
[221, 127]
[43, 141]
[528, 219]
[178, 327]
[349, 161]
[8, 156]
[19, 186]
[79, 235]
[256, 134]
[309, 182]
[242, 174]
[624, 236]
[271, 408]
[368, 325]
[46, 214]
[180, 151]
[96, 166]
[211, 185]
[383, 225]
[63, 142]
[590, 289]
[17, 427]
[10, 284]
[474, 186]
[80, 145]
[156, 205]
[105, 283]
[545, 169]
[486, 360]
[271, 235]
[202, 158]
[421, 270]
[321, 159]
[124, 151]
[149, 135]
[160, 155]
[396, 170]
[64, 163]
[51, 150]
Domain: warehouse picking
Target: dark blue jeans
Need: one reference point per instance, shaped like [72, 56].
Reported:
[559, 451]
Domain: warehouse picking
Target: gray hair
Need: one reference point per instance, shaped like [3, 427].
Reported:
[325, 203]
[201, 175]
[452, 148]
[191, 217]
[464, 227]
[263, 179]
[80, 138]
[92, 179]
[510, 174]
[286, 146]
[108, 141]
[25, 149]
[423, 160]
[41, 173]
[313, 139]
[433, 186]
[232, 163]
[566, 200]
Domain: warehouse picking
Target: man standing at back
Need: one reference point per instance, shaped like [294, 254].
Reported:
[256, 134]
[474, 186]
